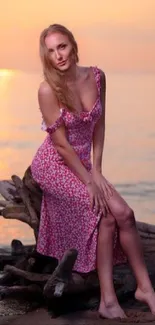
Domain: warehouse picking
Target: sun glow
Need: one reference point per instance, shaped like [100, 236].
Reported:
[6, 76]
[6, 72]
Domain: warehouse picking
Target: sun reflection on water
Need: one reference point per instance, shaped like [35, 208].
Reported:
[6, 72]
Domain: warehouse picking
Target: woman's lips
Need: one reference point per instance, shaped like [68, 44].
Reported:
[62, 63]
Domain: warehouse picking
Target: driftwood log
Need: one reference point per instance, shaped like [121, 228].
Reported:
[25, 271]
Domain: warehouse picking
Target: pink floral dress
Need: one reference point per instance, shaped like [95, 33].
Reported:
[67, 220]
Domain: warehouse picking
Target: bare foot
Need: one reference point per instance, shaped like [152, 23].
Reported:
[111, 311]
[147, 297]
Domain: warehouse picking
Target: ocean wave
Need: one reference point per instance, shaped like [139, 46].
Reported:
[139, 189]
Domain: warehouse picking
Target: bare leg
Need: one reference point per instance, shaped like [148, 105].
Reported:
[131, 245]
[109, 306]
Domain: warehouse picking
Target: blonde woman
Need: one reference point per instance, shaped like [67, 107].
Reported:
[80, 208]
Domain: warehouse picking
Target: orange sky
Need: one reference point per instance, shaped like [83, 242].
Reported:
[118, 35]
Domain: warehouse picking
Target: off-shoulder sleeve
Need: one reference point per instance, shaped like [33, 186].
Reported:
[97, 74]
[52, 128]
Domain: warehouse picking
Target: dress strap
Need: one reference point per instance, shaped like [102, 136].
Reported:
[52, 128]
[97, 75]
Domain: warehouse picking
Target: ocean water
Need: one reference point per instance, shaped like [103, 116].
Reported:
[129, 150]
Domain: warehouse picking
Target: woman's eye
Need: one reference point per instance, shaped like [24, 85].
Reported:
[63, 46]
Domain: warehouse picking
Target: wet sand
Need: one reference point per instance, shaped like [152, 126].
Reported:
[42, 317]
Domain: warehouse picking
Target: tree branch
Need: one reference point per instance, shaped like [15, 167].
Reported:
[31, 276]
[61, 276]
[15, 290]
[8, 190]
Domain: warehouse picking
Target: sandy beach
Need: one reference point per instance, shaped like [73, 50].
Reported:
[41, 317]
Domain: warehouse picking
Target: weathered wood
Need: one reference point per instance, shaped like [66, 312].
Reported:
[22, 257]
[14, 208]
[146, 228]
[4, 203]
[18, 212]
[62, 276]
[33, 277]
[7, 259]
[8, 190]
[34, 190]
[17, 248]
[26, 200]
[59, 283]
[15, 290]
[8, 278]
[52, 279]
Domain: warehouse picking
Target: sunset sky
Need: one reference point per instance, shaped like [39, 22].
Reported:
[118, 35]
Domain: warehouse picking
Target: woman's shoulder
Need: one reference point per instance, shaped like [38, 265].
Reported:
[45, 89]
[46, 97]
[101, 71]
[98, 71]
[102, 75]
[87, 72]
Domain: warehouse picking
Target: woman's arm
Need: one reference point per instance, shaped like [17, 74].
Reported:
[51, 112]
[99, 131]
[98, 144]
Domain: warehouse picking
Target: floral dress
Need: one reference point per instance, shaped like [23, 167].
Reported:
[67, 220]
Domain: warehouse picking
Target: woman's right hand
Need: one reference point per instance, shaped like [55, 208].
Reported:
[98, 202]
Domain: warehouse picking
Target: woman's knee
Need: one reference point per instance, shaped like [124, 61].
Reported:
[126, 219]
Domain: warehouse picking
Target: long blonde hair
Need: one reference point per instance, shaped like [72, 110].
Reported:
[54, 77]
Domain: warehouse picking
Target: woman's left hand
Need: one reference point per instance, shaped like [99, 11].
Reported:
[105, 187]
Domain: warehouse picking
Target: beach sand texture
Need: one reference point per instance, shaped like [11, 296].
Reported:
[41, 317]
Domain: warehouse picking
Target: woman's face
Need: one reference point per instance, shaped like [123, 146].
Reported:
[60, 51]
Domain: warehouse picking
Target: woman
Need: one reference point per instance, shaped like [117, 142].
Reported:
[80, 208]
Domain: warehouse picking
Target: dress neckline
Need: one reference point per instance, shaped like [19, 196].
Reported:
[85, 112]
